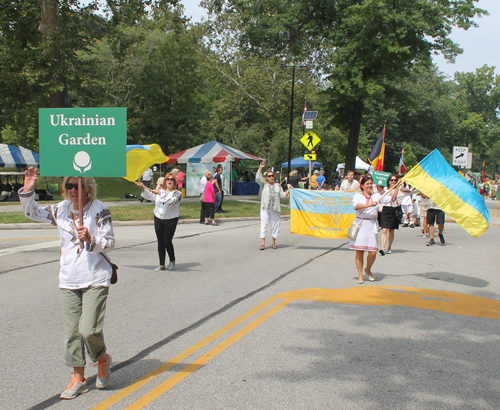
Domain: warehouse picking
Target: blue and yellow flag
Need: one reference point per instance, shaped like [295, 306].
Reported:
[452, 193]
[323, 214]
[141, 157]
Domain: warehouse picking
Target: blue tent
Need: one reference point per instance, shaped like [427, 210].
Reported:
[300, 162]
[18, 157]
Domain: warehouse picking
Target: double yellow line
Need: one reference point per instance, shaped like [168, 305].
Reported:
[448, 302]
[176, 378]
[496, 213]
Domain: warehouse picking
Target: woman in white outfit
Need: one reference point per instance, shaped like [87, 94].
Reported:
[270, 207]
[166, 215]
[84, 275]
[366, 205]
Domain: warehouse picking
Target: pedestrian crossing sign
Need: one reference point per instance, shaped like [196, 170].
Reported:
[310, 157]
[310, 140]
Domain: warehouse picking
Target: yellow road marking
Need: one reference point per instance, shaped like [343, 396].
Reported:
[448, 302]
[496, 210]
[29, 239]
[162, 388]
[178, 359]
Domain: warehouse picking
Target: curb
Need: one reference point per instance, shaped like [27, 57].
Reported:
[41, 225]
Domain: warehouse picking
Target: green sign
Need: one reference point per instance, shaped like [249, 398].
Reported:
[380, 178]
[83, 142]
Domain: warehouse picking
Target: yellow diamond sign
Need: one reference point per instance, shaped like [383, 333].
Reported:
[310, 140]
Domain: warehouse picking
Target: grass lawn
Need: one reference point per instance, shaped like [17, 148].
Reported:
[108, 189]
[188, 210]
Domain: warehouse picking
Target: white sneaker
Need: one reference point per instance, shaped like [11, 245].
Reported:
[424, 236]
[104, 373]
[75, 388]
[159, 268]
[171, 266]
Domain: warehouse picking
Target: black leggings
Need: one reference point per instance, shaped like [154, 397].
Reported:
[165, 230]
[209, 210]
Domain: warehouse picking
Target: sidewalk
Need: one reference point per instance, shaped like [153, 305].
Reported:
[16, 206]
[38, 225]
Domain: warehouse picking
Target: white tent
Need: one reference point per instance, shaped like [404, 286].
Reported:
[360, 164]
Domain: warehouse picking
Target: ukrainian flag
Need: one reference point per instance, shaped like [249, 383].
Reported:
[141, 157]
[435, 177]
[323, 214]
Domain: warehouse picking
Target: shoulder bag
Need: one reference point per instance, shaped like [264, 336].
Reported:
[353, 230]
[114, 268]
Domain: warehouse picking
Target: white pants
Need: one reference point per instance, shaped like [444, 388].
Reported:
[407, 211]
[266, 216]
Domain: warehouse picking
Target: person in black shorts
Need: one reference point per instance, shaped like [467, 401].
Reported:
[435, 214]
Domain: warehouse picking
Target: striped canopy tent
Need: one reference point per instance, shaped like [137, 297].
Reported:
[212, 151]
[18, 157]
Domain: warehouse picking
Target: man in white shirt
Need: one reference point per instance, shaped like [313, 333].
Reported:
[203, 182]
[147, 179]
[435, 214]
[349, 184]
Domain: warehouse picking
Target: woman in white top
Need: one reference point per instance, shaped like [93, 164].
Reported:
[84, 276]
[365, 203]
[270, 206]
[166, 215]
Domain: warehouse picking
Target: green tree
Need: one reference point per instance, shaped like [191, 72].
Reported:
[477, 96]
[419, 110]
[357, 43]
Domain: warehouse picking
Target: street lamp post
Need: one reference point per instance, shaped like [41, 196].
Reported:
[293, 67]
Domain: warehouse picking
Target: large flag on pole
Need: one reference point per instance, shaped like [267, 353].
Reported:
[141, 157]
[376, 157]
[401, 168]
[435, 177]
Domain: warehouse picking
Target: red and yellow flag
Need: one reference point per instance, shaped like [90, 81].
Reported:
[377, 155]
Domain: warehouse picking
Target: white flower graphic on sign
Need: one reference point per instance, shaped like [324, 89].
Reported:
[82, 161]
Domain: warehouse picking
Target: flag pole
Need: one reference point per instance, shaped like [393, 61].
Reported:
[390, 189]
[80, 206]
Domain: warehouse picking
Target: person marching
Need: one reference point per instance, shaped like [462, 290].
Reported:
[365, 204]
[270, 207]
[166, 215]
[84, 276]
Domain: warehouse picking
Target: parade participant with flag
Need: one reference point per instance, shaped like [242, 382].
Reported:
[366, 205]
[377, 155]
[435, 177]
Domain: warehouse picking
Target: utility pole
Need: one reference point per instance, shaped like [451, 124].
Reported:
[293, 67]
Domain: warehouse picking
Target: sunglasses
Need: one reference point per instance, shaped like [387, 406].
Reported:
[69, 186]
[170, 179]
[394, 180]
[269, 176]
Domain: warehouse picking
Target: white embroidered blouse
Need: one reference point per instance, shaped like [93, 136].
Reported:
[86, 268]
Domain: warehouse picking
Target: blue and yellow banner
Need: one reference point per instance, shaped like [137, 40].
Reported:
[435, 177]
[323, 214]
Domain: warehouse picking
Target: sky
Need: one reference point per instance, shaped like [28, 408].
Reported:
[480, 44]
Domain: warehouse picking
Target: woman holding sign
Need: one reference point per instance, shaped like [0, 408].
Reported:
[365, 204]
[84, 276]
[166, 215]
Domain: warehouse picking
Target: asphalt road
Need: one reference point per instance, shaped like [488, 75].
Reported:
[237, 328]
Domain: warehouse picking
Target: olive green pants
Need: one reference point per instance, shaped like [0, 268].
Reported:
[83, 315]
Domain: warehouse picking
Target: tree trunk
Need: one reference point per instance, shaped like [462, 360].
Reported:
[352, 144]
[48, 28]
